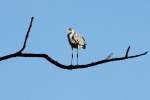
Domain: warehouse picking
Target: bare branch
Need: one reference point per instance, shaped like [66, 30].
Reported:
[27, 35]
[68, 67]
[127, 52]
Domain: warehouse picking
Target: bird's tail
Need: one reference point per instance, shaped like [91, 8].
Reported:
[84, 46]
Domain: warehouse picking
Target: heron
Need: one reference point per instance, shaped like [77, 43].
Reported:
[76, 41]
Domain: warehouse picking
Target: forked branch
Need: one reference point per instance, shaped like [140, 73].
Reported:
[69, 67]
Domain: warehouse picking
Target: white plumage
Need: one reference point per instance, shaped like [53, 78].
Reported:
[76, 41]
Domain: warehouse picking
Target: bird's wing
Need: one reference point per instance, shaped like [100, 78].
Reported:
[79, 40]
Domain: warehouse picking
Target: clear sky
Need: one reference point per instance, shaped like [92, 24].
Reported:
[107, 25]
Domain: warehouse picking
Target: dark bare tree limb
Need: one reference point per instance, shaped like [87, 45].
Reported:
[69, 67]
[27, 35]
[127, 52]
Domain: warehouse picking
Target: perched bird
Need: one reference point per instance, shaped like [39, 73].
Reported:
[76, 41]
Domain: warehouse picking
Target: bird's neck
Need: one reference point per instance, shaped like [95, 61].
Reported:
[71, 34]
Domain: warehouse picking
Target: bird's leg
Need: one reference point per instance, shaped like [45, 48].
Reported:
[72, 56]
[77, 56]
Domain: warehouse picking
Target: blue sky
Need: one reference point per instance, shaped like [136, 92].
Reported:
[108, 26]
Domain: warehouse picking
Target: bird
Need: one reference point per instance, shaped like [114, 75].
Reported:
[76, 41]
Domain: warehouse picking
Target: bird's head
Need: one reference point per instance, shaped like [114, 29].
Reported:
[70, 30]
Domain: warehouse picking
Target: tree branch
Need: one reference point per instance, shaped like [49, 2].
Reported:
[27, 35]
[127, 52]
[69, 67]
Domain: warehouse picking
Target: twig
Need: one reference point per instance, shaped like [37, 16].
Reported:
[127, 52]
[27, 35]
[69, 67]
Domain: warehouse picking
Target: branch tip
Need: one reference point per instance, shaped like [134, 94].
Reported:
[145, 53]
[32, 17]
